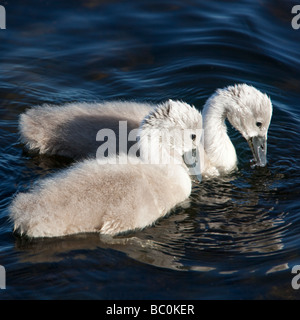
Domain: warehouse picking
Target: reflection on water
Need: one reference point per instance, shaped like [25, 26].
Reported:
[236, 236]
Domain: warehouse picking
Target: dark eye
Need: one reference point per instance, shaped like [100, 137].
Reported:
[258, 124]
[193, 137]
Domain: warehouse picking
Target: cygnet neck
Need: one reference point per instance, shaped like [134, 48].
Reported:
[217, 144]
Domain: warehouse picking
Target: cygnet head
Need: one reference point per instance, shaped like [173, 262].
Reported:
[174, 130]
[249, 111]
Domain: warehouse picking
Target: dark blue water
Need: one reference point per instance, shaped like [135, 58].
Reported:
[239, 236]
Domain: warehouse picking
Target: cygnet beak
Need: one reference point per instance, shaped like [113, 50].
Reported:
[192, 161]
[258, 146]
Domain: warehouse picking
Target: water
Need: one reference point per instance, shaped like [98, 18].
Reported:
[238, 237]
